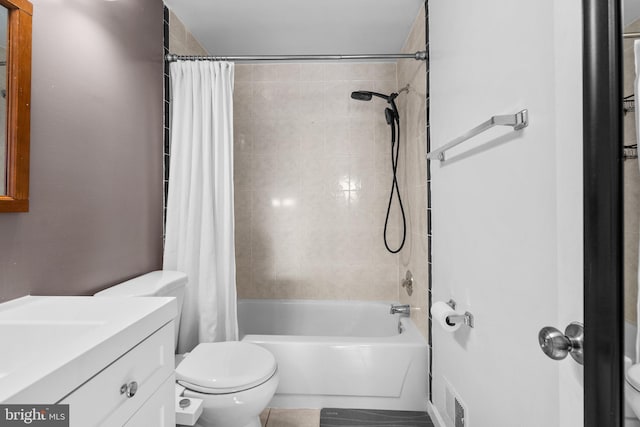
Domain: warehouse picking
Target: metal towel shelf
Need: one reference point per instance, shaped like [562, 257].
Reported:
[518, 121]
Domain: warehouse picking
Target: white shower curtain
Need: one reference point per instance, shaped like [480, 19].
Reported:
[200, 226]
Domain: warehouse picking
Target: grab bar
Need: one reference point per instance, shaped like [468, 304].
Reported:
[519, 120]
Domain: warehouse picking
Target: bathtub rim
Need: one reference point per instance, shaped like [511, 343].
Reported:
[410, 335]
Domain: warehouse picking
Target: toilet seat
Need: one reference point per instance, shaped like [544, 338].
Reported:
[225, 367]
[633, 376]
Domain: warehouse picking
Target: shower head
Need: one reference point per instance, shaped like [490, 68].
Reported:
[363, 95]
[391, 114]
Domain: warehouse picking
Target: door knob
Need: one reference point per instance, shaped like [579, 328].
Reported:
[557, 345]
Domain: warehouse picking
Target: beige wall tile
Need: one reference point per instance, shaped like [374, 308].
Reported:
[194, 45]
[336, 100]
[176, 45]
[311, 106]
[243, 106]
[385, 71]
[273, 99]
[243, 72]
[344, 71]
[242, 137]
[243, 179]
[243, 249]
[181, 41]
[283, 72]
[311, 72]
[243, 281]
[414, 255]
[301, 141]
[176, 27]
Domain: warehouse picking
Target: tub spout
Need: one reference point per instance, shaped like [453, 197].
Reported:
[403, 309]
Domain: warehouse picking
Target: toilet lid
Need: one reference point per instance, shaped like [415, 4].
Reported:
[633, 376]
[225, 367]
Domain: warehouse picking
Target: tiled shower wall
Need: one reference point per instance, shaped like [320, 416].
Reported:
[313, 176]
[312, 179]
[181, 41]
[413, 174]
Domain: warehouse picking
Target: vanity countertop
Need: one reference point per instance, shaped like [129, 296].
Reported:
[52, 345]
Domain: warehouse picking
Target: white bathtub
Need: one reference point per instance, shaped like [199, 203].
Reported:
[341, 354]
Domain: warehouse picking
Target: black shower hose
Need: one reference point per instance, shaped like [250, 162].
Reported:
[394, 188]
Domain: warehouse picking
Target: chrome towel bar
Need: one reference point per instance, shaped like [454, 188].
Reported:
[518, 121]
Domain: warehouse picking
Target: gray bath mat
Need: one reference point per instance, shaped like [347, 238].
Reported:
[336, 417]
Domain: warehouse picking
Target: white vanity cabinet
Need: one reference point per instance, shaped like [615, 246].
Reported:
[111, 359]
[159, 409]
[136, 389]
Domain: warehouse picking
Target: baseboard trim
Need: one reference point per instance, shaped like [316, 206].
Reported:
[435, 415]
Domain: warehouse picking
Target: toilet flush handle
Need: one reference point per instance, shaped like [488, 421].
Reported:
[557, 345]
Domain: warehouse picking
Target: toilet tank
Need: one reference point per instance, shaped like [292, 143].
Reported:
[163, 283]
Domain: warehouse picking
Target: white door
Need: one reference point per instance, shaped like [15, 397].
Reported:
[507, 208]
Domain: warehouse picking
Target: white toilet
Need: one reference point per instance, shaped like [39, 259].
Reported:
[235, 380]
[631, 392]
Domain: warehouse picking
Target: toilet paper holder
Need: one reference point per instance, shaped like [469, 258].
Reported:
[454, 319]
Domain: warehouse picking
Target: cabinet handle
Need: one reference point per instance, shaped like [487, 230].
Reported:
[129, 389]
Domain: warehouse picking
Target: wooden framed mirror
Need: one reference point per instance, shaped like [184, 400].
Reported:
[15, 104]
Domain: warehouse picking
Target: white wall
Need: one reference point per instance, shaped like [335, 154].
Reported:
[569, 200]
[507, 206]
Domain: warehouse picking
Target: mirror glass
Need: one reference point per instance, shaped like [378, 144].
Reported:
[3, 98]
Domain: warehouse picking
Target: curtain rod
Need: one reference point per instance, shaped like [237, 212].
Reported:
[631, 35]
[418, 56]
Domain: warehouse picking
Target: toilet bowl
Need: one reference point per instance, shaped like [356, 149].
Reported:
[235, 380]
[631, 392]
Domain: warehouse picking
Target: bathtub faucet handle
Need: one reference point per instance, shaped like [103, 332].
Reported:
[403, 309]
[407, 282]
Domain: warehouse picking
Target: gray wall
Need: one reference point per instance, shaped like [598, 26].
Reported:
[96, 151]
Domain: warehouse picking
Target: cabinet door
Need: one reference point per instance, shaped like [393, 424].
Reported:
[103, 401]
[158, 410]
